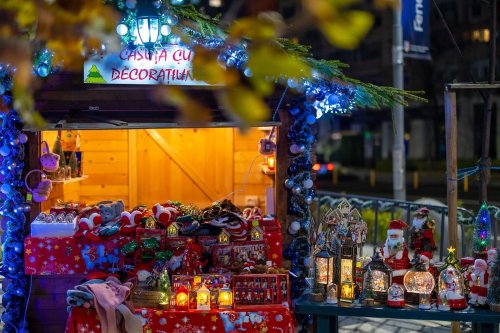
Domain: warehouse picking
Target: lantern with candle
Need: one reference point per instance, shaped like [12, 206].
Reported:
[225, 298]
[182, 298]
[377, 277]
[324, 266]
[203, 298]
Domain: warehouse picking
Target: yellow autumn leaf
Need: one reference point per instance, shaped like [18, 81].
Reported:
[347, 30]
[267, 62]
[206, 67]
[26, 14]
[254, 28]
[247, 105]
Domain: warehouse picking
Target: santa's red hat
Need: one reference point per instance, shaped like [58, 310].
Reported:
[396, 227]
[424, 211]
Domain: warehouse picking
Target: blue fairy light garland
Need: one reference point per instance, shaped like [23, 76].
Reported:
[12, 209]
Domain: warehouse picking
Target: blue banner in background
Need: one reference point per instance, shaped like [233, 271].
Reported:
[415, 21]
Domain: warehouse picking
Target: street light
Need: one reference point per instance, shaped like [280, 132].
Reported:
[148, 24]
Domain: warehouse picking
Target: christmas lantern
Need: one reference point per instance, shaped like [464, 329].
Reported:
[377, 277]
[451, 284]
[347, 291]
[148, 24]
[419, 280]
[223, 238]
[225, 298]
[324, 266]
[182, 298]
[271, 162]
[256, 233]
[331, 294]
[348, 251]
[396, 296]
[203, 298]
[173, 230]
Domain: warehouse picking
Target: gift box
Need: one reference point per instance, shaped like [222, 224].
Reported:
[53, 229]
[144, 234]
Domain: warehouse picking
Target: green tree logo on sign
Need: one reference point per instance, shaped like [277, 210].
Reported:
[94, 76]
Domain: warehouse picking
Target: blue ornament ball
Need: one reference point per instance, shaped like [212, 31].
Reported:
[18, 247]
[163, 321]
[131, 4]
[333, 99]
[296, 189]
[5, 188]
[310, 119]
[5, 151]
[19, 292]
[294, 111]
[310, 139]
[308, 199]
[307, 262]
[23, 138]
[302, 148]
[247, 72]
[2, 89]
[292, 83]
[43, 70]
[172, 19]
[293, 169]
[289, 183]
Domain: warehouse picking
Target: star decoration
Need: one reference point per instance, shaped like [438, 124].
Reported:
[77, 258]
[451, 249]
[28, 242]
[56, 247]
[214, 319]
[28, 251]
[275, 256]
[185, 319]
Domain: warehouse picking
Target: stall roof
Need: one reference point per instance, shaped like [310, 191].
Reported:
[65, 102]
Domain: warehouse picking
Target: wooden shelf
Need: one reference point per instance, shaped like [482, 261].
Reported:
[71, 180]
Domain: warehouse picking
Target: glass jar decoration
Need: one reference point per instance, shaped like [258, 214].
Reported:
[182, 298]
[225, 298]
[377, 277]
[203, 298]
[331, 294]
[451, 284]
[324, 267]
[420, 281]
[396, 296]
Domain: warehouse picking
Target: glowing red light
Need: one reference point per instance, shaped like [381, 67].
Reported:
[329, 167]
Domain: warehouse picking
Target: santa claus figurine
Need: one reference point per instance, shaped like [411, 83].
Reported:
[422, 233]
[395, 251]
[478, 283]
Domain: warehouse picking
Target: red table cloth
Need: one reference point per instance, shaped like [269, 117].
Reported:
[70, 255]
[270, 319]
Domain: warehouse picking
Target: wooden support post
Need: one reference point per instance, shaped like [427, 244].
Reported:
[373, 178]
[450, 100]
[335, 176]
[450, 105]
[282, 164]
[415, 180]
[466, 184]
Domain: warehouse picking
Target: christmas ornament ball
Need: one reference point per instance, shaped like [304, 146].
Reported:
[294, 227]
[296, 189]
[289, 183]
[308, 183]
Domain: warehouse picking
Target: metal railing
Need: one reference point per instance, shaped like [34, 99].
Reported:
[404, 210]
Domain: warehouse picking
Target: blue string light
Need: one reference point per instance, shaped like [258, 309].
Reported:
[12, 209]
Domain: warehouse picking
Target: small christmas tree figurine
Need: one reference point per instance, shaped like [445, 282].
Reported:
[368, 292]
[73, 163]
[57, 149]
[494, 287]
[481, 235]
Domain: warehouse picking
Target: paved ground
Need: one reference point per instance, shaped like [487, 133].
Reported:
[381, 325]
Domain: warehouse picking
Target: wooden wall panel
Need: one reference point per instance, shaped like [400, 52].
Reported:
[189, 165]
[246, 151]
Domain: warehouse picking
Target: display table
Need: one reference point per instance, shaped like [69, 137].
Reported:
[272, 319]
[326, 316]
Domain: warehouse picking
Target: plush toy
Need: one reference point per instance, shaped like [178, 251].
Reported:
[111, 211]
[129, 221]
[87, 227]
[166, 213]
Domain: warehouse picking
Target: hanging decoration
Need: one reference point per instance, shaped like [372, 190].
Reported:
[12, 209]
[481, 235]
